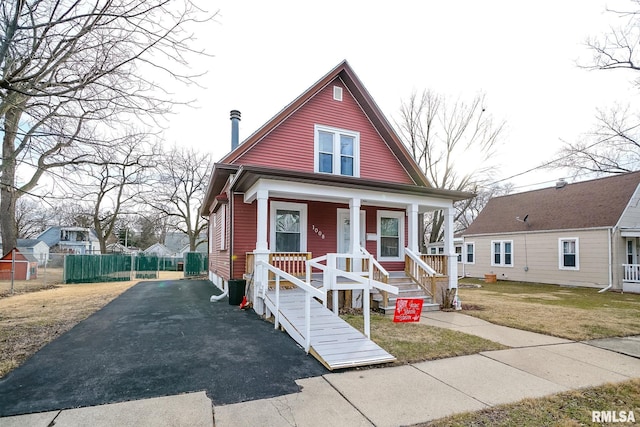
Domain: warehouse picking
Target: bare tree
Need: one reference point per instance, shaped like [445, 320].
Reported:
[613, 145]
[452, 142]
[67, 67]
[32, 217]
[110, 185]
[181, 178]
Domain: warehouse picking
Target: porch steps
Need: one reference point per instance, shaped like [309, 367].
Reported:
[407, 289]
[335, 343]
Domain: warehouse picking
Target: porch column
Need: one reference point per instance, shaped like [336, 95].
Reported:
[449, 249]
[412, 216]
[261, 253]
[354, 220]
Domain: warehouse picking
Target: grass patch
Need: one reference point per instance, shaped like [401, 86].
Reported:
[411, 342]
[564, 409]
[572, 313]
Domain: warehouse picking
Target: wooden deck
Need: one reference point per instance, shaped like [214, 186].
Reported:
[334, 342]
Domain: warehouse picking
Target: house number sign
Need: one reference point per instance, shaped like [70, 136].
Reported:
[317, 231]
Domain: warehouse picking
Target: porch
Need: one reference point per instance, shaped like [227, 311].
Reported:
[631, 278]
[423, 276]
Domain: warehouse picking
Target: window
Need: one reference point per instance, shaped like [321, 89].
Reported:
[337, 93]
[391, 235]
[471, 248]
[337, 151]
[223, 227]
[502, 253]
[288, 227]
[630, 251]
[459, 253]
[568, 254]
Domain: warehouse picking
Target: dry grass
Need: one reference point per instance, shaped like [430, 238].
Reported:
[29, 321]
[572, 313]
[410, 342]
[565, 409]
[47, 278]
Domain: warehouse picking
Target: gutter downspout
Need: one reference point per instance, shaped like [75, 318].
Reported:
[225, 293]
[610, 263]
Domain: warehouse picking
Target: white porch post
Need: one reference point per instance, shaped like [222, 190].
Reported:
[354, 220]
[412, 216]
[354, 243]
[261, 253]
[452, 266]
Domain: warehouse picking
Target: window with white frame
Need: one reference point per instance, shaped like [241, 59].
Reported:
[288, 227]
[337, 151]
[470, 253]
[630, 251]
[568, 253]
[502, 253]
[391, 235]
[459, 253]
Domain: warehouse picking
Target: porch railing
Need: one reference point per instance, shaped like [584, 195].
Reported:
[309, 291]
[421, 272]
[439, 263]
[362, 280]
[631, 273]
[379, 273]
[293, 263]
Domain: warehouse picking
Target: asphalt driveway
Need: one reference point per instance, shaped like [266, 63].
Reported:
[158, 339]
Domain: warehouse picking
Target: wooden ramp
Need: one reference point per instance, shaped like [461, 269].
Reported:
[334, 342]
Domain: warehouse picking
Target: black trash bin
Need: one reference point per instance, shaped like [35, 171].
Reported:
[236, 291]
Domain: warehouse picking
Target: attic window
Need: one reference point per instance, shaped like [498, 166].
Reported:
[337, 93]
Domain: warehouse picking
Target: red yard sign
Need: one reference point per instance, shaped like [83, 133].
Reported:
[408, 310]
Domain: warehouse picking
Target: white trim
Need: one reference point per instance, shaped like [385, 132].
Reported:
[223, 227]
[302, 208]
[391, 214]
[336, 149]
[502, 253]
[576, 240]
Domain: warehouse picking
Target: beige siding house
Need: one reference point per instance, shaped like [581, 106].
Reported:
[581, 234]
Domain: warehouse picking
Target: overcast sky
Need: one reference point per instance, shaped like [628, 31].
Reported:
[522, 55]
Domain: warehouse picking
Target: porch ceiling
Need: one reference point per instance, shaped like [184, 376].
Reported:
[333, 188]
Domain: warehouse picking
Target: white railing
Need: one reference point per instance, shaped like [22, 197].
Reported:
[358, 280]
[310, 292]
[420, 271]
[631, 273]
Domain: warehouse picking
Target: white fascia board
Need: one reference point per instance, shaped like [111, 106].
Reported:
[305, 191]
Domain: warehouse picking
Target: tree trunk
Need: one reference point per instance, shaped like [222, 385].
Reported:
[8, 191]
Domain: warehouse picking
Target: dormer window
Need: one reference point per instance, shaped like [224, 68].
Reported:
[337, 151]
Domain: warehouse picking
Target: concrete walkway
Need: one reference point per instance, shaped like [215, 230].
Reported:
[535, 366]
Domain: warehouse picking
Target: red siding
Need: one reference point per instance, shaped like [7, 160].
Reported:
[294, 137]
[245, 220]
[219, 257]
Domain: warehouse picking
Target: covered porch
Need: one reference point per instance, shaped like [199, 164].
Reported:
[300, 217]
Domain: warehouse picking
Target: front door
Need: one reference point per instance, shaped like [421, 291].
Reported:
[344, 233]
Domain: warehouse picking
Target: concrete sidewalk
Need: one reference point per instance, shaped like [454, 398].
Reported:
[535, 366]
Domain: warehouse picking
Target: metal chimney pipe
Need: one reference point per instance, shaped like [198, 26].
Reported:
[235, 123]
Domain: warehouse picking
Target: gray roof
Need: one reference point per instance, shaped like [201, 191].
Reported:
[587, 204]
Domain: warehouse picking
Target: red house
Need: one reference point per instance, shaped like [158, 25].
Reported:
[323, 189]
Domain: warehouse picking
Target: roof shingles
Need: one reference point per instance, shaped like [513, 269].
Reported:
[587, 204]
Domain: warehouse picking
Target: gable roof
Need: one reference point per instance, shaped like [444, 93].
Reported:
[587, 204]
[366, 102]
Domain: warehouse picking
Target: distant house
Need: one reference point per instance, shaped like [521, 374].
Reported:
[583, 234]
[35, 247]
[160, 250]
[25, 266]
[178, 243]
[73, 240]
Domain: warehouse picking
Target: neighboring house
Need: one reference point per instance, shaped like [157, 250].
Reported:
[178, 243]
[160, 250]
[37, 248]
[581, 234]
[326, 175]
[119, 248]
[24, 266]
[72, 240]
